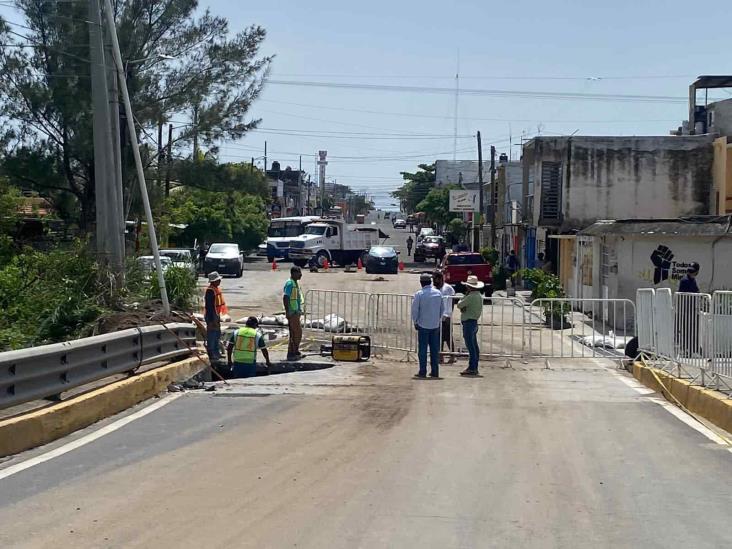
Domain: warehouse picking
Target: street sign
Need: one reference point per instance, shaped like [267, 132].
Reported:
[464, 201]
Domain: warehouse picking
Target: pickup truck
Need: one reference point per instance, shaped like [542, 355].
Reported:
[457, 266]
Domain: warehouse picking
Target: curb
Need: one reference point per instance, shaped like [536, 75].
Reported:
[707, 403]
[48, 424]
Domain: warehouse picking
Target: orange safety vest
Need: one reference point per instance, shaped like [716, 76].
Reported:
[219, 303]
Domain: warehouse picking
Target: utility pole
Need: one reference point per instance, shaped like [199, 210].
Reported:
[308, 202]
[299, 185]
[169, 160]
[478, 226]
[109, 243]
[121, 215]
[494, 196]
[195, 132]
[112, 29]
[265, 158]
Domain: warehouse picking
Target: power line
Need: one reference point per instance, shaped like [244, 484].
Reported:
[492, 77]
[484, 92]
[412, 115]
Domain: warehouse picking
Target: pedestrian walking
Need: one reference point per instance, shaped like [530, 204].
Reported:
[292, 300]
[471, 308]
[427, 310]
[202, 251]
[512, 266]
[447, 291]
[214, 308]
[243, 345]
[410, 243]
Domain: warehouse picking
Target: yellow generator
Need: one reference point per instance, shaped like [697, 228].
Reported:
[351, 348]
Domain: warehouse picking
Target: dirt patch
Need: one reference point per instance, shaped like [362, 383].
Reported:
[144, 314]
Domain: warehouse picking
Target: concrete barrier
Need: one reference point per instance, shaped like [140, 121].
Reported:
[712, 405]
[48, 424]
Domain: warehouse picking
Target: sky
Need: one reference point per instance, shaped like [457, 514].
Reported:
[640, 47]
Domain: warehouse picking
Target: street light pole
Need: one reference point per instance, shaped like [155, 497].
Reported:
[112, 29]
[494, 197]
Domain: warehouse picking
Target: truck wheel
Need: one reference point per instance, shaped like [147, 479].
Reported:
[300, 262]
[321, 257]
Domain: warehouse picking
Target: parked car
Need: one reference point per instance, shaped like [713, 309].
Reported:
[382, 259]
[147, 264]
[400, 224]
[458, 266]
[180, 258]
[424, 232]
[225, 258]
[430, 247]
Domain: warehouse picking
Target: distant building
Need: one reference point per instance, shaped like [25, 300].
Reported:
[460, 172]
[289, 191]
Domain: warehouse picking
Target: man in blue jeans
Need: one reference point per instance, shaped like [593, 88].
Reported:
[427, 309]
[471, 308]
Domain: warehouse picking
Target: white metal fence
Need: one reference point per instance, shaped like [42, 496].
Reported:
[688, 334]
[508, 327]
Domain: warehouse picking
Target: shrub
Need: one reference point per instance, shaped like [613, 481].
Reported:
[490, 255]
[181, 286]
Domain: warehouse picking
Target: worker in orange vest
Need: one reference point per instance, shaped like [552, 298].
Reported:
[214, 308]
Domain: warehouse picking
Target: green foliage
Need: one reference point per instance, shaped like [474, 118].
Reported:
[193, 67]
[209, 175]
[436, 206]
[546, 286]
[219, 216]
[490, 255]
[8, 218]
[181, 286]
[416, 188]
[50, 297]
[456, 229]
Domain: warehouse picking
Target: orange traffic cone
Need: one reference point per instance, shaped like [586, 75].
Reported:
[401, 265]
[326, 264]
[360, 264]
[274, 264]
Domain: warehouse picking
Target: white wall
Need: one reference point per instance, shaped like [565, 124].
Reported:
[635, 269]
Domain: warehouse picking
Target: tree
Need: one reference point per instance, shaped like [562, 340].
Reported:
[436, 206]
[416, 188]
[45, 100]
[230, 216]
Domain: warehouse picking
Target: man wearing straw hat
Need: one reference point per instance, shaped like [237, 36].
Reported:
[471, 308]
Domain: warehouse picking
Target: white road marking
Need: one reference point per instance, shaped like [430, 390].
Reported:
[86, 439]
[672, 409]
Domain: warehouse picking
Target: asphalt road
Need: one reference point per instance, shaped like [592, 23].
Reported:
[364, 456]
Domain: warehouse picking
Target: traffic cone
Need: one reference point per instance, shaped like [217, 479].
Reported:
[326, 264]
[360, 264]
[401, 265]
[274, 264]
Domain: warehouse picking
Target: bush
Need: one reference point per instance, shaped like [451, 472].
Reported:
[490, 255]
[181, 286]
[546, 286]
[48, 297]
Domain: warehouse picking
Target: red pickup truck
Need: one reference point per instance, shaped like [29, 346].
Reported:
[457, 266]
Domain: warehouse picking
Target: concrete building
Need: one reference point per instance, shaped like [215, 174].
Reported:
[579, 180]
[289, 191]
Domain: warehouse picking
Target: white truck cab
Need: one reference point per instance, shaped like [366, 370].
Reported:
[335, 241]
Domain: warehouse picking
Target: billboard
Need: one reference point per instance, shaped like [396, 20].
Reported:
[464, 201]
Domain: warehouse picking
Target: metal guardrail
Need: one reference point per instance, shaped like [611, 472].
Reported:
[46, 371]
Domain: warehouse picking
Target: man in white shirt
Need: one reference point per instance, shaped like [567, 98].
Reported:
[447, 291]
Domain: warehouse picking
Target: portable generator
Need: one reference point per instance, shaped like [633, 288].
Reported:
[350, 348]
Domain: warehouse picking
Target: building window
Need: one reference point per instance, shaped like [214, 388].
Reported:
[551, 192]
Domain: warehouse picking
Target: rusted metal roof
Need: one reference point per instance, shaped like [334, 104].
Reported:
[703, 225]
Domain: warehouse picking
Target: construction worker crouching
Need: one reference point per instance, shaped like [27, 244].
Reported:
[243, 345]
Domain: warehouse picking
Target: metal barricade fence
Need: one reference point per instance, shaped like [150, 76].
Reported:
[333, 311]
[580, 328]
[720, 327]
[663, 323]
[644, 319]
[391, 322]
[692, 341]
[501, 329]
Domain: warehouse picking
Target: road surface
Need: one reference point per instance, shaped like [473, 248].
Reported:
[364, 456]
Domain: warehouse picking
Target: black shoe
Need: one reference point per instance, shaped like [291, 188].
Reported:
[292, 358]
[420, 376]
[435, 376]
[469, 372]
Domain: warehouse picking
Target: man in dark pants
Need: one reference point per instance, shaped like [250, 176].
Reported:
[214, 308]
[447, 291]
[688, 312]
[410, 243]
[292, 300]
[427, 310]
[243, 345]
